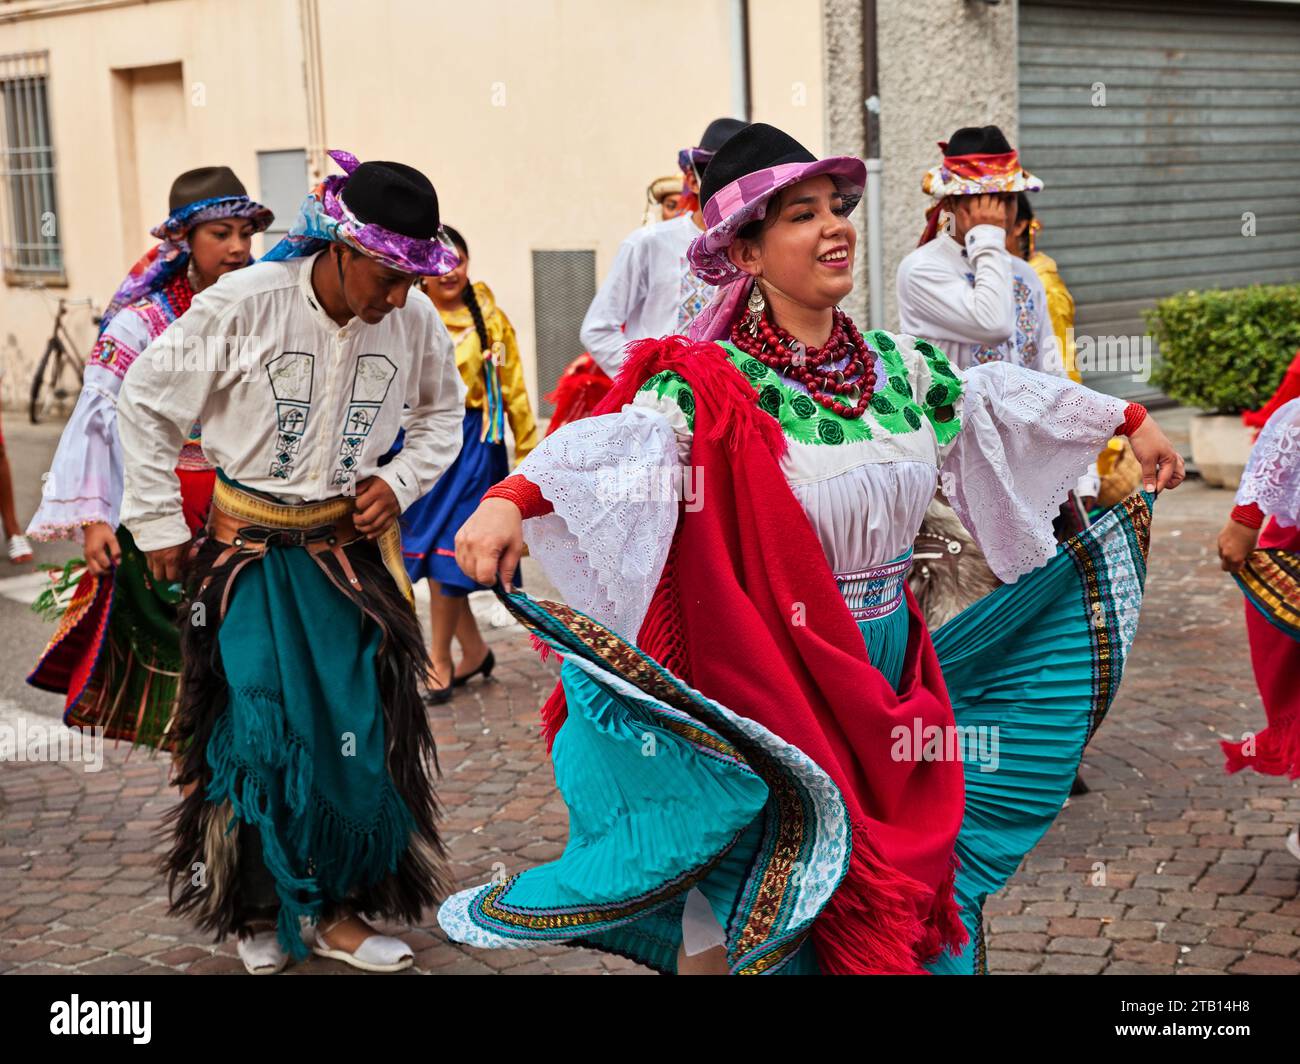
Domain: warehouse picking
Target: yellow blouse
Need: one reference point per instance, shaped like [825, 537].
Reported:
[1060, 308]
[510, 368]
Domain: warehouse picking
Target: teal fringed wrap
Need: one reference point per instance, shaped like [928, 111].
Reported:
[300, 753]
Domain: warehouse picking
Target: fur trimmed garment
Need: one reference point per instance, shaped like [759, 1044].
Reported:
[301, 716]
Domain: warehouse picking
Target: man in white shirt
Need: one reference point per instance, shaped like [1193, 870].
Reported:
[960, 288]
[650, 290]
[301, 721]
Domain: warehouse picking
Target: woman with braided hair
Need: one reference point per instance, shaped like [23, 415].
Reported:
[487, 356]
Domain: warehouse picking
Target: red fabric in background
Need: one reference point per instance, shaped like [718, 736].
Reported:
[578, 392]
[1276, 658]
[1286, 391]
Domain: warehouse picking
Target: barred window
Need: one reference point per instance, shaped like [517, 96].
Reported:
[32, 248]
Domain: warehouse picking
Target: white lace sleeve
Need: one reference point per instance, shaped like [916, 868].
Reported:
[1272, 477]
[84, 483]
[1025, 439]
[614, 481]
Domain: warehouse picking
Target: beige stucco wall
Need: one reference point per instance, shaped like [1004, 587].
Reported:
[540, 121]
[241, 62]
[943, 64]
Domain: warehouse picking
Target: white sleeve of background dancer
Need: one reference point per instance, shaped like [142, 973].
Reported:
[625, 288]
[1025, 439]
[84, 483]
[614, 481]
[1272, 476]
[159, 403]
[935, 300]
[432, 420]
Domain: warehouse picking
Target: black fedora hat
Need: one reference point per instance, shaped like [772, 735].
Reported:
[977, 140]
[756, 147]
[751, 168]
[395, 196]
[719, 131]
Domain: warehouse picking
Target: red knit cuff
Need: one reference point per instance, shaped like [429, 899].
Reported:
[1249, 515]
[1134, 415]
[523, 493]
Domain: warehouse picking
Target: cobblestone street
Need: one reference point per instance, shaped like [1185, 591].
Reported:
[1167, 866]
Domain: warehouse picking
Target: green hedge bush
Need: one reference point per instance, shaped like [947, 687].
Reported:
[1225, 350]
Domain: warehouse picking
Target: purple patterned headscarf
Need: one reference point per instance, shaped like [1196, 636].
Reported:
[162, 262]
[732, 208]
[324, 219]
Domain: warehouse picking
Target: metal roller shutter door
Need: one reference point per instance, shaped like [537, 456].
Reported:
[1145, 196]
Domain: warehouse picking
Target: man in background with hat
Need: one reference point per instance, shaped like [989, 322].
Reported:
[961, 288]
[301, 721]
[650, 290]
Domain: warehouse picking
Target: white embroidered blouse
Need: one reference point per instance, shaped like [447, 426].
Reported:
[1272, 476]
[1014, 444]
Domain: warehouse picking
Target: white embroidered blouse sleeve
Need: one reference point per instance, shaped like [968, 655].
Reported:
[84, 483]
[1272, 477]
[936, 300]
[159, 404]
[613, 480]
[434, 411]
[624, 289]
[1025, 438]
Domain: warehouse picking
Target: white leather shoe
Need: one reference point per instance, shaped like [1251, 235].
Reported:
[377, 953]
[1293, 844]
[262, 954]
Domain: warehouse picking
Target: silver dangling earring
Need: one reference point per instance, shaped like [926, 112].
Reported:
[754, 309]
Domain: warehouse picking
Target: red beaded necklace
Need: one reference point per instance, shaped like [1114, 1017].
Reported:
[810, 366]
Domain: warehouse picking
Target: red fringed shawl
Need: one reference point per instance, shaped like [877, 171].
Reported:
[749, 614]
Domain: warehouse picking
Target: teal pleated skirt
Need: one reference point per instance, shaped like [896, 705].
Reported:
[668, 790]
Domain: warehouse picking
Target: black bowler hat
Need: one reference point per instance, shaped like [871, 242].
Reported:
[719, 131]
[756, 147]
[977, 140]
[716, 134]
[207, 182]
[395, 196]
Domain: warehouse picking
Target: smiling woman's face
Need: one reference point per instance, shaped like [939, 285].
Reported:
[220, 246]
[806, 246]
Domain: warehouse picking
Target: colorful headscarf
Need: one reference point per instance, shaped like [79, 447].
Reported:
[732, 208]
[972, 175]
[324, 218]
[161, 264]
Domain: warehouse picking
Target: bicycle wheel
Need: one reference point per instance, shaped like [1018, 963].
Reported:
[37, 402]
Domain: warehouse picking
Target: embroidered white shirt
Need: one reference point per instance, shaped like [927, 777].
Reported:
[650, 290]
[977, 303]
[291, 403]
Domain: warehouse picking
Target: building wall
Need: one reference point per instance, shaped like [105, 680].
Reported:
[943, 64]
[235, 56]
[541, 122]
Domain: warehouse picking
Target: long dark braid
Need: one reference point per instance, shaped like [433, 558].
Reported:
[469, 295]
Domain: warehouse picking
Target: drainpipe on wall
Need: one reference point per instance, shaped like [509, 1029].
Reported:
[741, 102]
[875, 169]
[314, 86]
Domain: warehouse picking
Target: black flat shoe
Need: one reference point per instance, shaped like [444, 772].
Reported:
[436, 696]
[485, 667]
